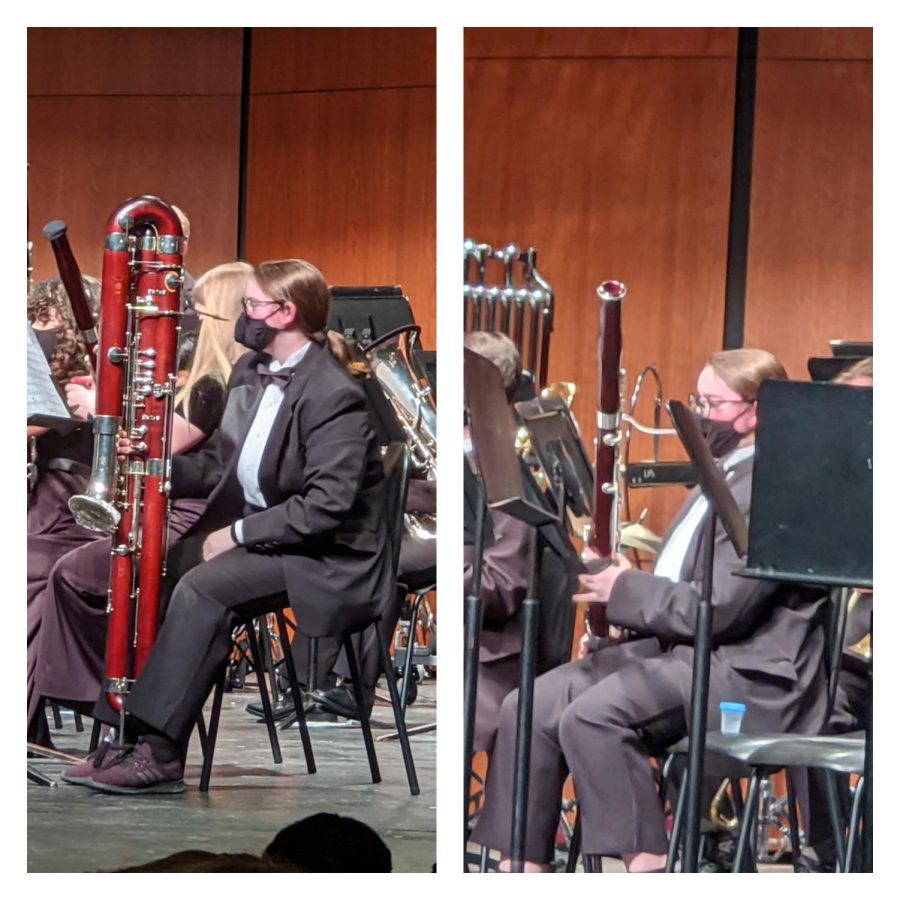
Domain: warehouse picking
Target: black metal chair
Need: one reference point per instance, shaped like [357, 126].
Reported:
[758, 756]
[396, 474]
[208, 734]
[396, 466]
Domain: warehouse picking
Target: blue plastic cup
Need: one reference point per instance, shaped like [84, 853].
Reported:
[732, 714]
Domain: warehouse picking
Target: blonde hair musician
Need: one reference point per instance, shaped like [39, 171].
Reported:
[217, 300]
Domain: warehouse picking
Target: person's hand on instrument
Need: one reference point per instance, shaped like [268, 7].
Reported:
[124, 447]
[81, 397]
[597, 587]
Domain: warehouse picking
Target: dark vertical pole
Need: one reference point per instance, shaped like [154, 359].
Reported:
[244, 144]
[693, 783]
[741, 172]
[525, 708]
[867, 813]
[472, 640]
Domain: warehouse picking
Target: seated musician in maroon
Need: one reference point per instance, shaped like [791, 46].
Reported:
[293, 482]
[67, 614]
[602, 717]
[504, 569]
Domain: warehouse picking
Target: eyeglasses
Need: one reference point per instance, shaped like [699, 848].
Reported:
[702, 403]
[252, 305]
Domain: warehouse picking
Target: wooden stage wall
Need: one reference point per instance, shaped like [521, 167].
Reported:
[610, 151]
[341, 153]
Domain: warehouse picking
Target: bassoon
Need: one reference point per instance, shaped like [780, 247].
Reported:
[70, 275]
[140, 315]
[605, 527]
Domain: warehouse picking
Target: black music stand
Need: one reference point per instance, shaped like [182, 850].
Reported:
[826, 368]
[721, 506]
[558, 448]
[492, 427]
[859, 349]
[824, 536]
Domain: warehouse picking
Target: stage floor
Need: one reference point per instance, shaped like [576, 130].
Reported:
[76, 829]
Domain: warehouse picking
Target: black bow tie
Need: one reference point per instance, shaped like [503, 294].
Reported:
[282, 377]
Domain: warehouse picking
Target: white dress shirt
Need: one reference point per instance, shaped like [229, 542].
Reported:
[670, 561]
[257, 437]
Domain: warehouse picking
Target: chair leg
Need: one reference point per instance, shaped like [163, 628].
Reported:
[677, 828]
[593, 862]
[295, 692]
[213, 731]
[574, 844]
[353, 664]
[95, 736]
[268, 657]
[202, 733]
[402, 733]
[483, 860]
[264, 693]
[792, 819]
[79, 722]
[850, 864]
[836, 815]
[748, 821]
[57, 716]
[410, 648]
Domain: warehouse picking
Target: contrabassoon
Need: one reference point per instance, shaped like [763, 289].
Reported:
[140, 316]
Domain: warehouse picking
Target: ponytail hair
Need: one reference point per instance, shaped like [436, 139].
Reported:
[301, 283]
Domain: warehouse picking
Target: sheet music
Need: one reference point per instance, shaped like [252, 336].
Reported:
[43, 397]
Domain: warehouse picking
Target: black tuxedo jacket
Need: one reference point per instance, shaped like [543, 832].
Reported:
[321, 474]
[768, 637]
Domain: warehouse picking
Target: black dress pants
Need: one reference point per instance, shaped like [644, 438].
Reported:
[593, 718]
[207, 603]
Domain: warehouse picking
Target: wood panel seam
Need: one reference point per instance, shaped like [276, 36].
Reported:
[345, 90]
[617, 56]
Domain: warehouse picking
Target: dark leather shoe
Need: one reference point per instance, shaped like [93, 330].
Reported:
[280, 710]
[341, 700]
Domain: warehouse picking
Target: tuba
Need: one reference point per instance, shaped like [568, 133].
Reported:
[391, 359]
[140, 317]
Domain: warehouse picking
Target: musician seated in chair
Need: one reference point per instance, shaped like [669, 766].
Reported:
[505, 567]
[63, 461]
[602, 717]
[293, 479]
[67, 618]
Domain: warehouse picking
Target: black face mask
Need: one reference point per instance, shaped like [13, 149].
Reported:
[720, 436]
[49, 341]
[253, 333]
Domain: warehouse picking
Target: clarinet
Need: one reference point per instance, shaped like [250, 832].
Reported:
[604, 538]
